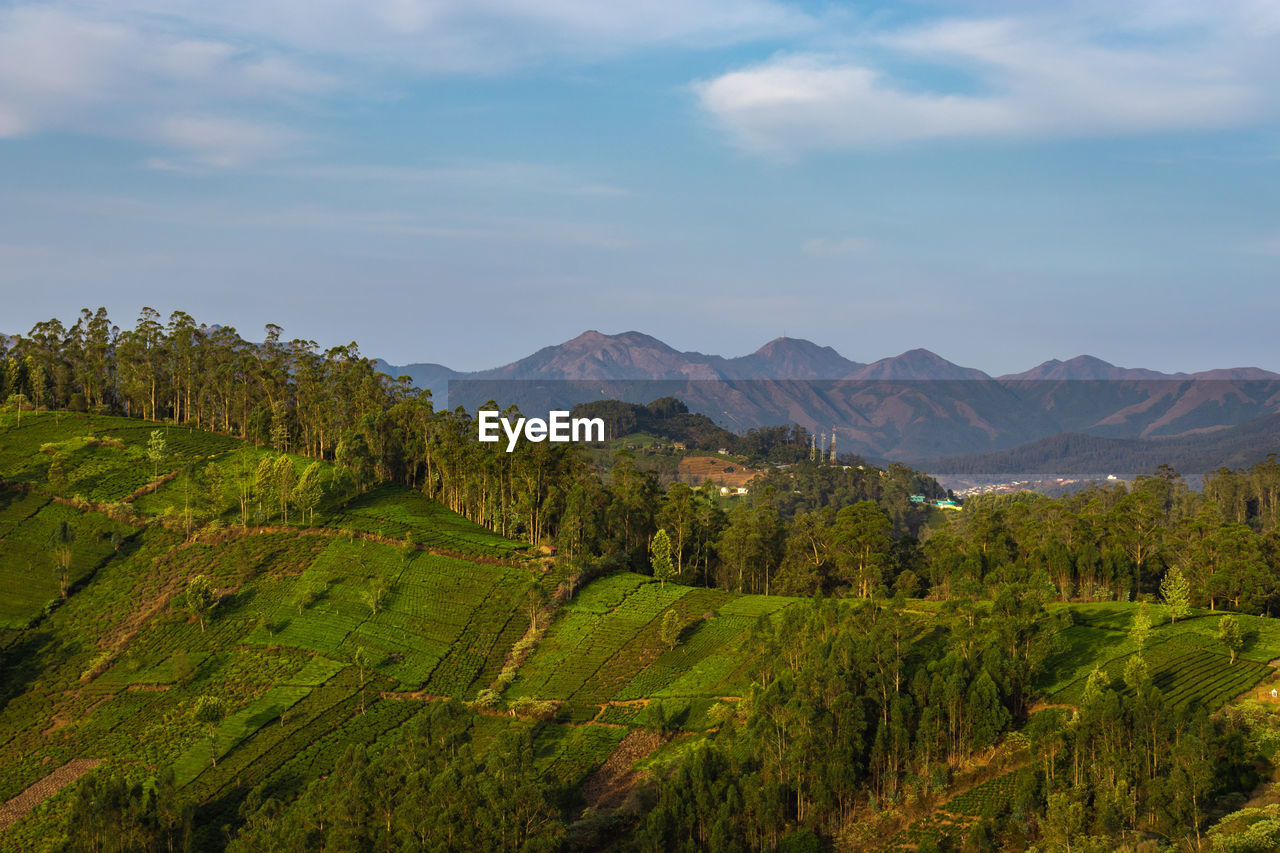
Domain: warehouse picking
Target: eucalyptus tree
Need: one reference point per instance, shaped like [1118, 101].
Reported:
[1176, 592]
[210, 710]
[157, 451]
[660, 557]
[862, 539]
[285, 478]
[309, 491]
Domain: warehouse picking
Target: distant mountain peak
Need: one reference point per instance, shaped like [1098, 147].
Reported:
[1237, 374]
[593, 338]
[1087, 361]
[595, 355]
[918, 364]
[1088, 368]
[785, 343]
[792, 358]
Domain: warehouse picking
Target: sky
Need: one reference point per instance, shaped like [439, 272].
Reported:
[466, 181]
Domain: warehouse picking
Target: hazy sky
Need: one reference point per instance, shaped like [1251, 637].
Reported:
[464, 181]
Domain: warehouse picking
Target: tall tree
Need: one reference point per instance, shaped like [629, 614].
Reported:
[264, 487]
[210, 710]
[1140, 628]
[660, 557]
[1176, 592]
[307, 493]
[157, 450]
[862, 542]
[286, 478]
[63, 538]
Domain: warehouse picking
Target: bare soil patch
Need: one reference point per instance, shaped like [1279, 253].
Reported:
[36, 794]
[695, 470]
[609, 785]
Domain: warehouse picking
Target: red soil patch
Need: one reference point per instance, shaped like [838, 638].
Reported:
[695, 470]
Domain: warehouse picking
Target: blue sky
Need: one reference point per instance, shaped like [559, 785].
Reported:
[464, 181]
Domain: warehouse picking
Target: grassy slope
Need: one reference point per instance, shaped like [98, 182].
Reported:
[30, 575]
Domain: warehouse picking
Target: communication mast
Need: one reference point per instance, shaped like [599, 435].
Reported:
[833, 445]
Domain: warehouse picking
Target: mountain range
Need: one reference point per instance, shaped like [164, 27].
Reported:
[912, 407]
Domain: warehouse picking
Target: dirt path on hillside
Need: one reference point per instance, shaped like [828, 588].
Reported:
[608, 787]
[11, 811]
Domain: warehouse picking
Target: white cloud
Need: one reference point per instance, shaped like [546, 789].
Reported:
[821, 247]
[141, 69]
[63, 71]
[1036, 76]
[480, 35]
[220, 83]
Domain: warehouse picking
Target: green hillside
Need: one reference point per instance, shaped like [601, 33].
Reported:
[335, 632]
[381, 632]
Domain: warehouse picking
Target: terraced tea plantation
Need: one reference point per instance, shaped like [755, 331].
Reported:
[1204, 678]
[48, 548]
[309, 629]
[606, 646]
[429, 622]
[1186, 660]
